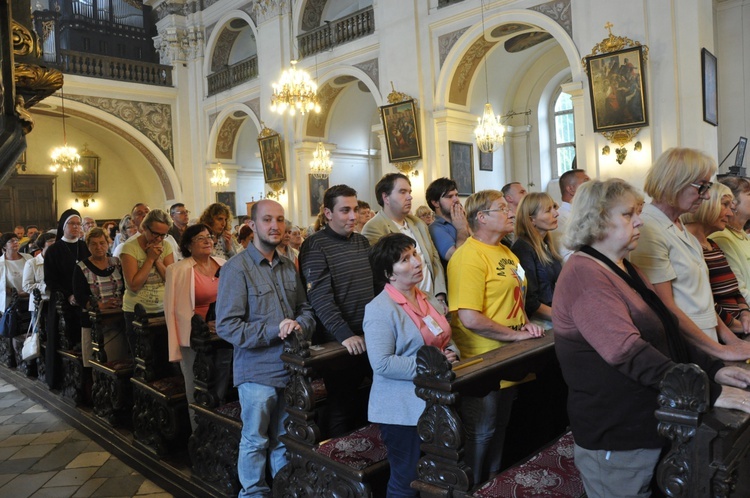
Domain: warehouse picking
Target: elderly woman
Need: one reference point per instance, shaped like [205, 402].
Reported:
[733, 240]
[144, 264]
[33, 271]
[99, 284]
[127, 230]
[613, 362]
[672, 257]
[285, 249]
[536, 217]
[191, 287]
[399, 321]
[11, 271]
[216, 218]
[711, 217]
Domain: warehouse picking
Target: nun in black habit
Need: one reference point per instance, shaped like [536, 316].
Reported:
[60, 263]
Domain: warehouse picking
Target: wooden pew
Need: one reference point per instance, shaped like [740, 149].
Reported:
[75, 378]
[112, 367]
[709, 448]
[160, 415]
[214, 445]
[442, 471]
[316, 467]
[28, 368]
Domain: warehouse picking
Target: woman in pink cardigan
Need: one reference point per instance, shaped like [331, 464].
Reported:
[192, 285]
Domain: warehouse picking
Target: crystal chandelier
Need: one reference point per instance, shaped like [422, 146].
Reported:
[295, 92]
[321, 165]
[489, 131]
[65, 158]
[219, 177]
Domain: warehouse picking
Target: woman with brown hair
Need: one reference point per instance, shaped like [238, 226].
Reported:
[216, 217]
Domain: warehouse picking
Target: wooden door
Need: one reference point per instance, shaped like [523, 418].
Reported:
[28, 200]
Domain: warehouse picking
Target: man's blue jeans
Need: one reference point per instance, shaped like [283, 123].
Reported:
[263, 418]
[485, 420]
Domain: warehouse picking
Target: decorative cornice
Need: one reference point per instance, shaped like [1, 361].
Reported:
[152, 119]
[177, 45]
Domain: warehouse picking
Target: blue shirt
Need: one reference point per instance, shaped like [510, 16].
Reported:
[254, 297]
[444, 236]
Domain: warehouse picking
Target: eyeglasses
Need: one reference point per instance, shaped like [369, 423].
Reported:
[702, 187]
[157, 235]
[504, 210]
[201, 239]
[182, 212]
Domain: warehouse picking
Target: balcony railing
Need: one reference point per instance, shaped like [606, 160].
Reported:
[346, 29]
[233, 75]
[113, 68]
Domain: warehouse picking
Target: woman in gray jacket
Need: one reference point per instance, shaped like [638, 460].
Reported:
[399, 321]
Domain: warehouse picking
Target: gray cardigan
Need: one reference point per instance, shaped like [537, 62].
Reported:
[392, 341]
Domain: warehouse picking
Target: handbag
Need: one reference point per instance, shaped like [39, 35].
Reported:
[30, 350]
[9, 321]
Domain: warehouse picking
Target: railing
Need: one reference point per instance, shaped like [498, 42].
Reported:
[113, 68]
[346, 29]
[233, 75]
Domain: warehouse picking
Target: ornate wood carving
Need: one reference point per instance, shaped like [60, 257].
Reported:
[439, 426]
[682, 400]
[7, 358]
[214, 449]
[303, 478]
[299, 395]
[159, 422]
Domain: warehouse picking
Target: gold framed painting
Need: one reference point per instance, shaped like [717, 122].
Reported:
[618, 90]
[272, 158]
[86, 180]
[401, 131]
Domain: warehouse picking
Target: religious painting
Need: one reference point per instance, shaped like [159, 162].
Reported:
[710, 92]
[462, 166]
[272, 159]
[618, 90]
[228, 198]
[86, 180]
[318, 187]
[401, 131]
[485, 161]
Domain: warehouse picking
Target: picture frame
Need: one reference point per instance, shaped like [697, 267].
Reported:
[461, 159]
[86, 180]
[710, 87]
[618, 90]
[317, 187]
[401, 131]
[272, 158]
[485, 161]
[228, 198]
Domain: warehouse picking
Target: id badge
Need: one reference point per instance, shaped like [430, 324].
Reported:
[433, 325]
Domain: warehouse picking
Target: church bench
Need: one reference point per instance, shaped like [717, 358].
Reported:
[112, 367]
[214, 445]
[442, 471]
[28, 368]
[160, 412]
[354, 465]
[709, 448]
[75, 378]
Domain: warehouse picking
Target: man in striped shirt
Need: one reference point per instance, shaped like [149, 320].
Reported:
[338, 279]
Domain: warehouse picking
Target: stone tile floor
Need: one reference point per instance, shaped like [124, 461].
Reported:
[42, 456]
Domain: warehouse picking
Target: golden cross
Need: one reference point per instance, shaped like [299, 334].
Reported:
[609, 27]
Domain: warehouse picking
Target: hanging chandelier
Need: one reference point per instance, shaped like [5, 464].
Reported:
[489, 131]
[295, 92]
[65, 157]
[219, 177]
[321, 165]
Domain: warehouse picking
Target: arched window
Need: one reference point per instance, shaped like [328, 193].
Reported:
[563, 133]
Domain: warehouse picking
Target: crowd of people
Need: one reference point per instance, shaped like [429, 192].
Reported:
[504, 266]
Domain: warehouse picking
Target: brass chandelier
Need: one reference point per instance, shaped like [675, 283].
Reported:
[321, 165]
[489, 131]
[219, 177]
[65, 157]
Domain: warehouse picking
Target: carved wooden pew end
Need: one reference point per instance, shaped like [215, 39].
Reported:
[160, 413]
[214, 446]
[354, 465]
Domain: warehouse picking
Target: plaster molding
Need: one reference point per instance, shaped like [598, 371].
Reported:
[446, 42]
[559, 11]
[227, 135]
[372, 69]
[152, 119]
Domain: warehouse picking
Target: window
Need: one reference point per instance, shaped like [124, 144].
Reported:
[564, 133]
